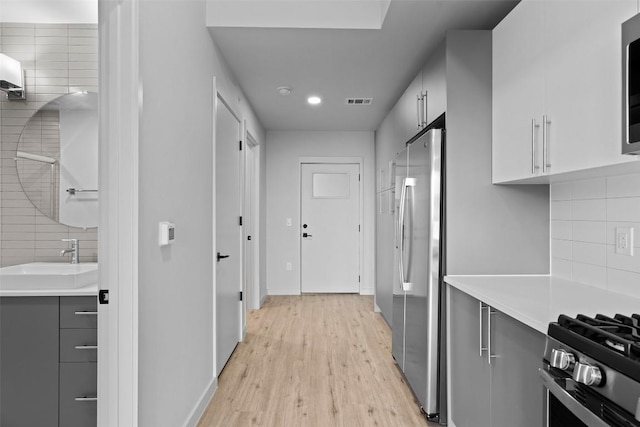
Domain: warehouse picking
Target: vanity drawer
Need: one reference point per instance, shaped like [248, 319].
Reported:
[78, 345]
[78, 312]
[78, 394]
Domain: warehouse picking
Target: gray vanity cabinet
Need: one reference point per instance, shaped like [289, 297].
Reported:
[29, 328]
[78, 357]
[48, 369]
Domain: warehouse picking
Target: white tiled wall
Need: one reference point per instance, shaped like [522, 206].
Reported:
[57, 59]
[584, 216]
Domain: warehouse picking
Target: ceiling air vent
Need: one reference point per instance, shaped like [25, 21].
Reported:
[358, 101]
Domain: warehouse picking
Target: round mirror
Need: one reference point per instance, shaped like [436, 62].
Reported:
[57, 159]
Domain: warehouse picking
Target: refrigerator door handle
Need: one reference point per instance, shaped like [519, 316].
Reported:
[403, 193]
[406, 182]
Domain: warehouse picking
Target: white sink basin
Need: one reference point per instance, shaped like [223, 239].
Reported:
[48, 275]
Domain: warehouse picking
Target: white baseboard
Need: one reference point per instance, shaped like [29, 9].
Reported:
[281, 292]
[376, 309]
[264, 298]
[198, 410]
[363, 291]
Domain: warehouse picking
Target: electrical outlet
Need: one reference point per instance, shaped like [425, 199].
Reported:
[289, 266]
[624, 240]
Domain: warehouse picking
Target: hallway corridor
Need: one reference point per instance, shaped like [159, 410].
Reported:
[313, 360]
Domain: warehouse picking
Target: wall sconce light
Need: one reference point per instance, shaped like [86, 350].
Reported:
[11, 78]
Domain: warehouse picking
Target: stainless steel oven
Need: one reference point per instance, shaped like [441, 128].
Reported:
[591, 370]
[631, 86]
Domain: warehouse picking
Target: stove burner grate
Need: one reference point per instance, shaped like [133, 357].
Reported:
[620, 334]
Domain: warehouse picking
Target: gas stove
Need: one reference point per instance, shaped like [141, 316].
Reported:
[595, 362]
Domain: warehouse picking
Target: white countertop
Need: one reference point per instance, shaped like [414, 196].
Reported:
[537, 300]
[88, 290]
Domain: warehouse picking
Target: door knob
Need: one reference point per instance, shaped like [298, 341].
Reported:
[306, 235]
[219, 257]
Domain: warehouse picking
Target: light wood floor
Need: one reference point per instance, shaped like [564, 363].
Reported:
[313, 360]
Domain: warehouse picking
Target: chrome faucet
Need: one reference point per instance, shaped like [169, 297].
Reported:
[73, 250]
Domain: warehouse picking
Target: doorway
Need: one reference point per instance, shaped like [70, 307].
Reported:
[228, 233]
[330, 227]
[250, 227]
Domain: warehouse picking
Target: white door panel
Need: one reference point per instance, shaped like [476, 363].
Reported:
[228, 235]
[330, 249]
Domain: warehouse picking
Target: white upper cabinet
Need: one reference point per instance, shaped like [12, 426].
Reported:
[408, 110]
[434, 85]
[584, 82]
[518, 92]
[424, 100]
[557, 87]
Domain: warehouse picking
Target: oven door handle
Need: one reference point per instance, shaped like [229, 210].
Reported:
[576, 408]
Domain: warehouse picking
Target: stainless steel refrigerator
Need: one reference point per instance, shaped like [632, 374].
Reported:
[417, 260]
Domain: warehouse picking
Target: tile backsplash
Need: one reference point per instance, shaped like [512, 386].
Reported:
[57, 59]
[584, 218]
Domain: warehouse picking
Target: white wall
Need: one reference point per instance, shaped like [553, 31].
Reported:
[284, 150]
[490, 229]
[584, 216]
[178, 61]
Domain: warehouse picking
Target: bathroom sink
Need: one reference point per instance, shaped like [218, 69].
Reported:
[48, 275]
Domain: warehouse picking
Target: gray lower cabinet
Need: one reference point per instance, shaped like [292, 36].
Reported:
[48, 369]
[470, 373]
[517, 394]
[507, 391]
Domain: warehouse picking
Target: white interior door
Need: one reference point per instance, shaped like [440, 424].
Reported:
[330, 216]
[228, 235]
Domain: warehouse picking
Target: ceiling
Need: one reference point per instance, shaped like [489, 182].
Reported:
[340, 63]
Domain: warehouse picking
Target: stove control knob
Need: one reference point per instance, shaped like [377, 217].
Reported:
[562, 359]
[587, 374]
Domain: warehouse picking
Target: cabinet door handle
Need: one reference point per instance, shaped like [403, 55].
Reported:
[86, 399]
[481, 307]
[419, 109]
[424, 108]
[545, 143]
[489, 355]
[86, 313]
[534, 163]
[86, 347]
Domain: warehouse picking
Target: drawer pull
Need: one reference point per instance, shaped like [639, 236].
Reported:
[86, 313]
[86, 399]
[86, 347]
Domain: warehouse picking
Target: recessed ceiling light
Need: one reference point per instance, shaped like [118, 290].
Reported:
[314, 100]
[283, 90]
